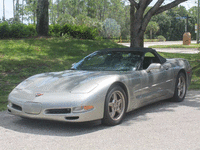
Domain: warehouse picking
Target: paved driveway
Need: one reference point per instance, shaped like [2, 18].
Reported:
[160, 126]
[169, 50]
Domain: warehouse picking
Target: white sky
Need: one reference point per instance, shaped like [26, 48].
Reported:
[9, 6]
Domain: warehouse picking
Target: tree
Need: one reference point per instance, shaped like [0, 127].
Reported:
[42, 18]
[111, 29]
[30, 10]
[152, 27]
[140, 20]
[13, 8]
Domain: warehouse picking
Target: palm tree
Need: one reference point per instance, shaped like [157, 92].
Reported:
[57, 8]
[13, 8]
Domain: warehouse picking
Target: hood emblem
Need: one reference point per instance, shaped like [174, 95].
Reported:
[38, 94]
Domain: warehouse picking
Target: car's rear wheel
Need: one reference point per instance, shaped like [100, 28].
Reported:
[115, 106]
[180, 88]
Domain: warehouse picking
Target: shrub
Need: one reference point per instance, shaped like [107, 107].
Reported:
[4, 30]
[81, 31]
[161, 38]
[30, 30]
[17, 30]
[54, 30]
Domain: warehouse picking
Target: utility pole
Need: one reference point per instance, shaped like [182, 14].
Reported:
[198, 23]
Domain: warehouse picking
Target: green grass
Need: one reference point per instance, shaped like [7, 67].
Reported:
[197, 46]
[20, 59]
[128, 41]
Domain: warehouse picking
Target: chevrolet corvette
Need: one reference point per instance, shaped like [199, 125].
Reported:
[104, 85]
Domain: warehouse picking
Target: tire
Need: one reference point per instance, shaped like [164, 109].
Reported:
[180, 88]
[115, 106]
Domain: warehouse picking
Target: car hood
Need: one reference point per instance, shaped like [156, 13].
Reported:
[71, 80]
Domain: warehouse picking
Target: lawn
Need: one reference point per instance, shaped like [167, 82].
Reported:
[20, 59]
[197, 46]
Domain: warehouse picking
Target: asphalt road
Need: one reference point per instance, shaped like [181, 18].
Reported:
[169, 50]
[160, 126]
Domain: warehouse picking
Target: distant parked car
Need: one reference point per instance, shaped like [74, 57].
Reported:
[104, 85]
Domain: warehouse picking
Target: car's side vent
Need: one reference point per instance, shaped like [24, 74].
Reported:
[58, 111]
[17, 107]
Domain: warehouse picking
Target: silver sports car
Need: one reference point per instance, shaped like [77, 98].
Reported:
[104, 85]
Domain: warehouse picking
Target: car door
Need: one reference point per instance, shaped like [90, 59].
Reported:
[154, 82]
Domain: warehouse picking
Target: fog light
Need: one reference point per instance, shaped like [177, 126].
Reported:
[32, 108]
[82, 109]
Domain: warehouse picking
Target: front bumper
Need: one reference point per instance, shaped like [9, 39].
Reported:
[56, 111]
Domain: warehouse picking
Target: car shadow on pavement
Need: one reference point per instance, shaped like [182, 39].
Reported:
[54, 128]
[192, 99]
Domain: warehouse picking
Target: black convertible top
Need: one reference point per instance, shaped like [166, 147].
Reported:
[137, 49]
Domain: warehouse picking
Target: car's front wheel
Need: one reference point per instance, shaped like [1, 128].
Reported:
[180, 88]
[115, 106]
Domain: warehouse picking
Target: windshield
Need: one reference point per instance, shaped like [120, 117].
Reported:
[110, 61]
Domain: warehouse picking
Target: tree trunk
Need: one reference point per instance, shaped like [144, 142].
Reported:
[22, 11]
[137, 35]
[17, 11]
[4, 10]
[13, 8]
[57, 9]
[151, 34]
[42, 18]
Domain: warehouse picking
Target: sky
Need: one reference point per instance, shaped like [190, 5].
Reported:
[9, 6]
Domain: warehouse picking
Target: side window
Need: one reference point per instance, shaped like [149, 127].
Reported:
[148, 59]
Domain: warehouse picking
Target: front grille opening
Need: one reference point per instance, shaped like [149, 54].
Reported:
[17, 107]
[58, 111]
[72, 118]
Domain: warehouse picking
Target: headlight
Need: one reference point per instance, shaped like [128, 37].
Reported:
[82, 109]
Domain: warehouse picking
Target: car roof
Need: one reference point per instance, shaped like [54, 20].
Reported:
[136, 49]
[139, 49]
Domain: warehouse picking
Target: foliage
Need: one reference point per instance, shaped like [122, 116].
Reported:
[66, 19]
[161, 38]
[152, 27]
[79, 31]
[110, 28]
[92, 13]
[55, 30]
[4, 30]
[16, 30]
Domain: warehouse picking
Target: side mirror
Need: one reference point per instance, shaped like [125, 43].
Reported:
[153, 66]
